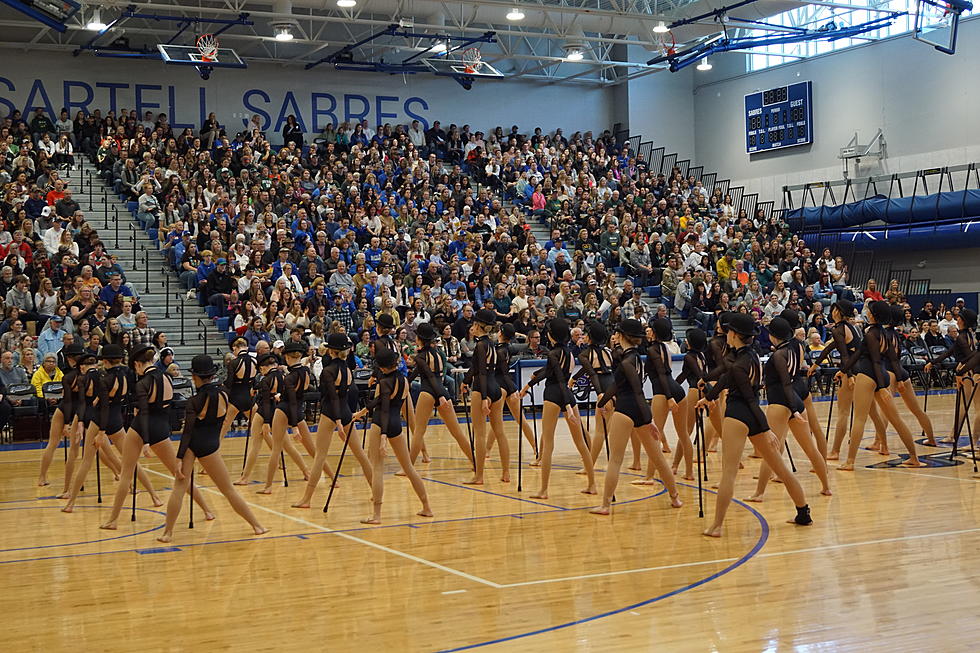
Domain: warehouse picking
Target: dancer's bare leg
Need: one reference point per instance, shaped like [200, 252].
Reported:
[845, 394]
[498, 433]
[864, 397]
[778, 417]
[131, 445]
[814, 425]
[907, 393]
[887, 406]
[182, 481]
[307, 438]
[118, 440]
[55, 435]
[549, 420]
[91, 435]
[575, 427]
[258, 431]
[279, 424]
[649, 439]
[478, 416]
[324, 433]
[514, 406]
[637, 464]
[166, 454]
[215, 466]
[620, 431]
[75, 436]
[400, 449]
[377, 474]
[423, 411]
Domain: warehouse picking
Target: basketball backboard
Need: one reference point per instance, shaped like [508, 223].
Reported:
[936, 23]
[461, 68]
[190, 55]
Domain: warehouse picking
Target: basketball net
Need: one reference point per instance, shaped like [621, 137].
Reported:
[471, 60]
[666, 44]
[207, 46]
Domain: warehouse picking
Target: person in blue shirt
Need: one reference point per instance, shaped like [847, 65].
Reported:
[51, 338]
[453, 284]
[206, 267]
[110, 293]
[373, 253]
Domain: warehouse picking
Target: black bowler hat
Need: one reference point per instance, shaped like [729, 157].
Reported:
[139, 351]
[338, 341]
[112, 352]
[632, 329]
[268, 359]
[74, 349]
[385, 321]
[508, 331]
[426, 332]
[697, 339]
[969, 317]
[845, 307]
[898, 314]
[881, 312]
[792, 317]
[203, 365]
[293, 347]
[743, 324]
[386, 358]
[485, 316]
[724, 319]
[780, 328]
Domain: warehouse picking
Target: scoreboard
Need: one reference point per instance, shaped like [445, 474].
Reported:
[780, 117]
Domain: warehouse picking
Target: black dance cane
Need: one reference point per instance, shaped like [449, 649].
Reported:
[98, 472]
[790, 454]
[282, 461]
[340, 463]
[133, 516]
[190, 523]
[520, 440]
[469, 428]
[698, 451]
[969, 426]
[534, 422]
[830, 415]
[248, 436]
[957, 426]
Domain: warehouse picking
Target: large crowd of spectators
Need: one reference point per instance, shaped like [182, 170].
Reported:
[314, 236]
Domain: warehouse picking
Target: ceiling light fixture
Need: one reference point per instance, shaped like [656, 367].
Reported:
[283, 33]
[96, 24]
[704, 65]
[661, 28]
[574, 55]
[438, 47]
[346, 3]
[515, 14]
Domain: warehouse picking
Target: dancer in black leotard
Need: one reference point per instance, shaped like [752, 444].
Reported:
[559, 398]
[899, 376]
[201, 440]
[290, 412]
[667, 395]
[744, 418]
[871, 385]
[632, 416]
[846, 339]
[962, 351]
[241, 376]
[486, 398]
[785, 409]
[505, 379]
[153, 395]
[597, 363]
[104, 395]
[391, 391]
[65, 421]
[694, 370]
[719, 357]
[268, 383]
[385, 326]
[800, 379]
[336, 381]
[428, 368]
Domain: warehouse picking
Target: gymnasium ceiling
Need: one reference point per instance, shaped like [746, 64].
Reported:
[616, 37]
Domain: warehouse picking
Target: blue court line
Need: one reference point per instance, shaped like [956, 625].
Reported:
[57, 546]
[763, 537]
[162, 549]
[502, 496]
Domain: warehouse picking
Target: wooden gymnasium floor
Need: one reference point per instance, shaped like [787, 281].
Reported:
[887, 564]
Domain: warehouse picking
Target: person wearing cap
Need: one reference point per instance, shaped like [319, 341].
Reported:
[871, 385]
[238, 381]
[845, 339]
[429, 363]
[667, 394]
[200, 441]
[153, 395]
[64, 419]
[505, 379]
[631, 418]
[219, 287]
[744, 418]
[597, 363]
[559, 398]
[336, 384]
[103, 395]
[391, 390]
[291, 410]
[899, 376]
[785, 410]
[269, 380]
[485, 397]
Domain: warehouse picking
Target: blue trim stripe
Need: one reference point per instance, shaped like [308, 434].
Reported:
[58, 546]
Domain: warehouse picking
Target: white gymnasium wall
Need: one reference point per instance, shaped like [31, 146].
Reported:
[318, 96]
[661, 108]
[924, 101]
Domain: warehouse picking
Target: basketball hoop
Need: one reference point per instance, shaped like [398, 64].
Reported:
[666, 44]
[207, 46]
[471, 60]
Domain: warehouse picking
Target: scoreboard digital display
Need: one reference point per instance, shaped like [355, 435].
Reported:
[780, 117]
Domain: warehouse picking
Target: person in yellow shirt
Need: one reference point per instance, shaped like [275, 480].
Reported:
[725, 266]
[49, 372]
